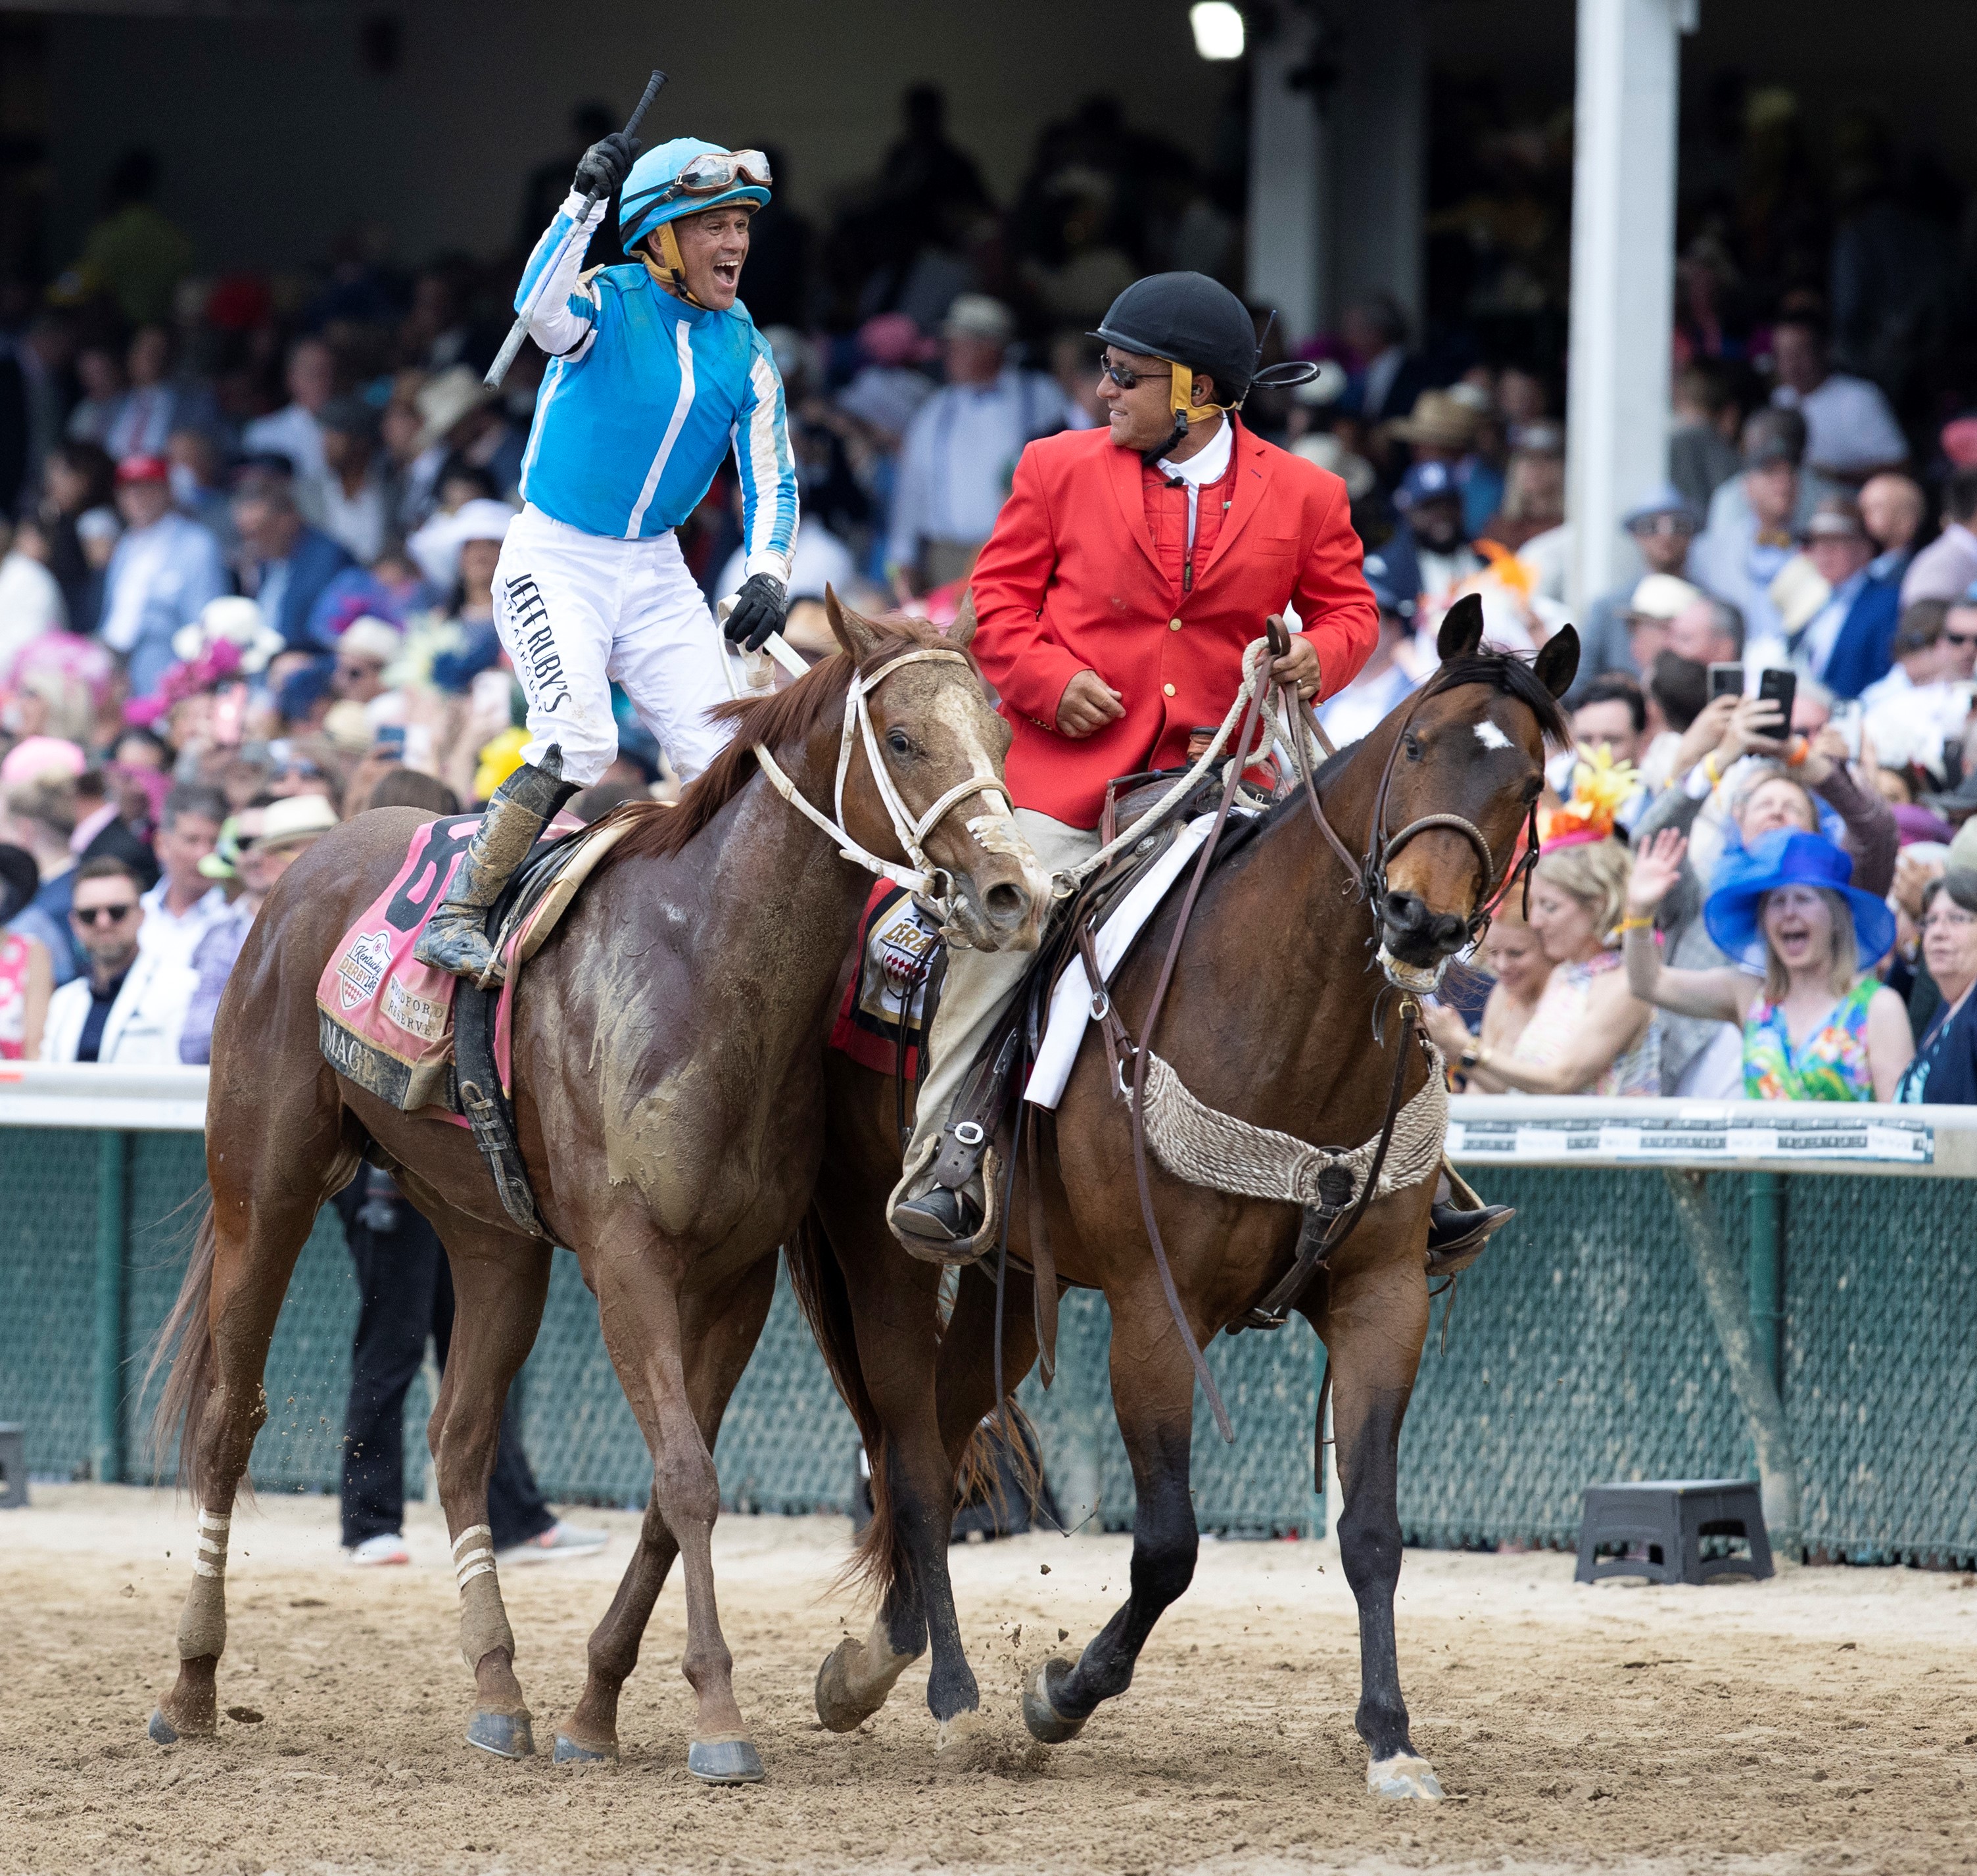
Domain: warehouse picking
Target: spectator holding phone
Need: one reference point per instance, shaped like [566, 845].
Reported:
[1945, 1068]
[1818, 1026]
[1769, 781]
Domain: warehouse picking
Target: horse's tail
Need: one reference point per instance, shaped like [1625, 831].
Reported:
[186, 1341]
[818, 1280]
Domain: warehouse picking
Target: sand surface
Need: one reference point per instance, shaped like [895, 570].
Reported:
[1825, 1721]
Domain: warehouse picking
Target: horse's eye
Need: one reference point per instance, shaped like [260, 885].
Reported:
[1411, 743]
[1533, 788]
[899, 742]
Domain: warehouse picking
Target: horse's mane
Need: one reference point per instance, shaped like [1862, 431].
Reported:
[1513, 675]
[659, 831]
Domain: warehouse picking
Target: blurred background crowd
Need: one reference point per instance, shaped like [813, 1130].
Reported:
[251, 520]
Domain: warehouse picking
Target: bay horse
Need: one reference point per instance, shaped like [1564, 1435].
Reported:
[669, 1109]
[1275, 1016]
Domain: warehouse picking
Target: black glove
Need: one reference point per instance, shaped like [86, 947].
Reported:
[605, 164]
[760, 609]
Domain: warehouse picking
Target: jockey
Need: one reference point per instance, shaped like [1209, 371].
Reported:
[1128, 569]
[656, 370]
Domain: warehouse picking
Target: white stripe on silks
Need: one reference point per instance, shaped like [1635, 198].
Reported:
[552, 383]
[766, 462]
[681, 405]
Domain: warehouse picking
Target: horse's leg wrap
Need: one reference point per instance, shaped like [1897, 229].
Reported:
[202, 1622]
[483, 1621]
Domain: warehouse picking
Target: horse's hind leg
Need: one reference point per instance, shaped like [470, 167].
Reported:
[499, 1281]
[1374, 1322]
[720, 1330]
[244, 1256]
[648, 1327]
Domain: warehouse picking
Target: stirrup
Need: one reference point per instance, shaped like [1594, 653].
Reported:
[940, 1215]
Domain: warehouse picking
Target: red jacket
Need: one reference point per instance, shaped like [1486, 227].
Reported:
[1070, 581]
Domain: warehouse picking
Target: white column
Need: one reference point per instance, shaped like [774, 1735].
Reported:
[1378, 152]
[1286, 262]
[1622, 274]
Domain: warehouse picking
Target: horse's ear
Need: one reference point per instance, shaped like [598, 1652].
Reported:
[1557, 663]
[851, 629]
[1461, 629]
[963, 631]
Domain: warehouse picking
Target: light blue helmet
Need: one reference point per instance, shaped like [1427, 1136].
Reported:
[654, 192]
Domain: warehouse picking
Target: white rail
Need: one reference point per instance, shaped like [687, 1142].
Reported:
[1484, 1130]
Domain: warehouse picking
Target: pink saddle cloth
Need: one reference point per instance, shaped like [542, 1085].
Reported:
[384, 1019]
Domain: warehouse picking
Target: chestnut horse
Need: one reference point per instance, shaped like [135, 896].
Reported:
[1274, 1016]
[669, 1109]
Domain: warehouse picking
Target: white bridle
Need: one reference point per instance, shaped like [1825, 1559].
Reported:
[921, 879]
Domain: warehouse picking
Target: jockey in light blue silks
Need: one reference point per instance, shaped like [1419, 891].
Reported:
[657, 371]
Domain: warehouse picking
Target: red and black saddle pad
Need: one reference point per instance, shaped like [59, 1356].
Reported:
[898, 945]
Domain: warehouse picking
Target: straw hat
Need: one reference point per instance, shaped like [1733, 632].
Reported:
[1439, 421]
[444, 400]
[293, 819]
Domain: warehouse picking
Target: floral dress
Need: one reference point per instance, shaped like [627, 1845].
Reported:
[14, 953]
[1830, 1064]
[1559, 1017]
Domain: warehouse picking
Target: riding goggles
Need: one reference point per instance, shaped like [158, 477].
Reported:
[720, 169]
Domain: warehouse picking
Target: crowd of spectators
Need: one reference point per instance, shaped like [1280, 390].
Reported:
[252, 525]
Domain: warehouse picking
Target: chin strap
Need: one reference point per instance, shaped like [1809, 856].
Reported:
[667, 267]
[1186, 410]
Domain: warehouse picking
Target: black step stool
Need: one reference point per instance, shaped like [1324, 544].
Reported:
[13, 1467]
[1666, 1519]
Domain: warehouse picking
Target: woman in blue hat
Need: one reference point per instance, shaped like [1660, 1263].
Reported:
[1818, 1026]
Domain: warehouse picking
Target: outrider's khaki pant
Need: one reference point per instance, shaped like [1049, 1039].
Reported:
[979, 989]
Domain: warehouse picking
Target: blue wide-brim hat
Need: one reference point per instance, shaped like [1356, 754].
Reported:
[1790, 858]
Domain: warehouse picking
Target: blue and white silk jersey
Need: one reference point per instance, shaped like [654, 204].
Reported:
[645, 394]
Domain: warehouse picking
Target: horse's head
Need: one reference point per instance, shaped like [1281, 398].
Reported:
[1465, 772]
[936, 734]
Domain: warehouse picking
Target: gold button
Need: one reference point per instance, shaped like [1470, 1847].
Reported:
[1168, 688]
[1173, 625]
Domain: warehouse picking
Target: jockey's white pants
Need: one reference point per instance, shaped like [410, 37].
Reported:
[575, 611]
[978, 989]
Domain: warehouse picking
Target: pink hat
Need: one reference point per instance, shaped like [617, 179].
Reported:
[892, 338]
[143, 469]
[34, 757]
[1959, 442]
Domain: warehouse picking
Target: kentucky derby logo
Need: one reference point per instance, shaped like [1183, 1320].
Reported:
[363, 968]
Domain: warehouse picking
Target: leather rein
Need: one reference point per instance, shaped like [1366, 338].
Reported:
[1328, 1225]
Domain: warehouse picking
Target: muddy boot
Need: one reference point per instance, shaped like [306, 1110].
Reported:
[454, 938]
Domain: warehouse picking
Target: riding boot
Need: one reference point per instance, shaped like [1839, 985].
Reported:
[948, 1201]
[1460, 1223]
[455, 938]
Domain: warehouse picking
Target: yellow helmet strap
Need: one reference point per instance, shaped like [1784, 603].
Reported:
[668, 267]
[1186, 410]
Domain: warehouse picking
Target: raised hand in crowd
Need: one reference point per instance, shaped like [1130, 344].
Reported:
[1706, 733]
[1657, 867]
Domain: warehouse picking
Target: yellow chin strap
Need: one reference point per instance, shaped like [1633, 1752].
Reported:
[669, 268]
[1186, 410]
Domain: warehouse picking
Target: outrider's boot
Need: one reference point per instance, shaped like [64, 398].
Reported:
[454, 938]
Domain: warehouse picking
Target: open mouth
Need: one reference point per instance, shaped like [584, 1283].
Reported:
[727, 275]
[1420, 979]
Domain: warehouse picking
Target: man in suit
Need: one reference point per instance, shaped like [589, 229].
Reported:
[1127, 571]
[288, 563]
[1850, 642]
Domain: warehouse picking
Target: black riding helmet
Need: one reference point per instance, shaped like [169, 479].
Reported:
[1196, 324]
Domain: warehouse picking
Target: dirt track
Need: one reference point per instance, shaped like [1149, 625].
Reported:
[1827, 1720]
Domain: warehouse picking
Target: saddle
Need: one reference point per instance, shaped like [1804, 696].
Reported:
[423, 1040]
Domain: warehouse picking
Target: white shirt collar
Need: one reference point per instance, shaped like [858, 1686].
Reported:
[1207, 464]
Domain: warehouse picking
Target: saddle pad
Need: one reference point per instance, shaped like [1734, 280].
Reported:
[385, 1020]
[896, 948]
[1070, 1000]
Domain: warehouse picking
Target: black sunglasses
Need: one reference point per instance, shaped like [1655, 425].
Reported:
[1123, 375]
[104, 915]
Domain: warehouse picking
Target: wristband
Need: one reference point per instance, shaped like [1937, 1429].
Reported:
[1800, 749]
[1468, 1059]
[1634, 924]
[1710, 769]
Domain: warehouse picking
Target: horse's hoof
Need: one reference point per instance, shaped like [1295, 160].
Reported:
[161, 1730]
[961, 1731]
[1047, 1725]
[1404, 1778]
[837, 1710]
[506, 1735]
[570, 1751]
[729, 1759]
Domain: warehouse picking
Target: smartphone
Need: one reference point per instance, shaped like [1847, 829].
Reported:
[390, 740]
[1846, 718]
[1780, 687]
[1725, 681]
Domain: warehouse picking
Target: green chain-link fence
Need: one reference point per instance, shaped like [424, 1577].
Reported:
[1580, 1351]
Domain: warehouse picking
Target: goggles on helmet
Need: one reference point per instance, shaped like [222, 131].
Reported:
[720, 169]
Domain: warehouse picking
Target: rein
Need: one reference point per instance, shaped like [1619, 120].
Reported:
[922, 880]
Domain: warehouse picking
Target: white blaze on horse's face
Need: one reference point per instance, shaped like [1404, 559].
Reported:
[1490, 737]
[992, 825]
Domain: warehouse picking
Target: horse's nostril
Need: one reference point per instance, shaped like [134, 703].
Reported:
[1006, 905]
[1404, 911]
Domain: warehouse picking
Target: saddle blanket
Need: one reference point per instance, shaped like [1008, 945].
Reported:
[897, 944]
[385, 1020]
